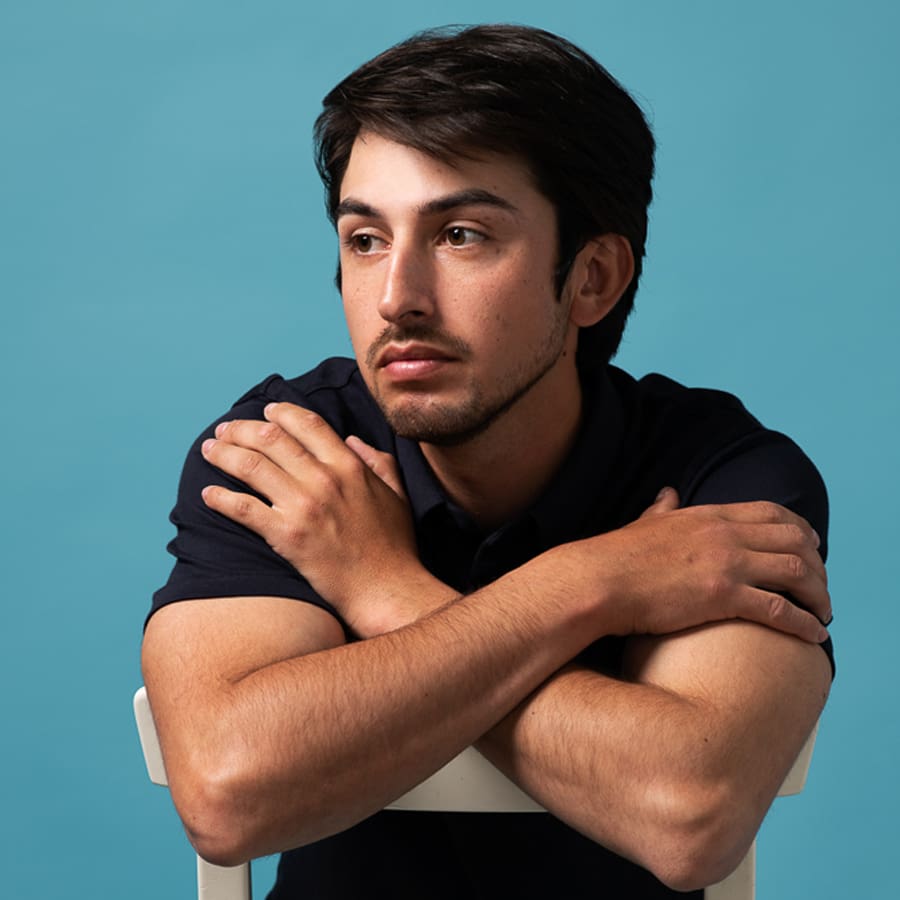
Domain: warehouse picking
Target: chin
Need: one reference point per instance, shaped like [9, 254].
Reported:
[442, 430]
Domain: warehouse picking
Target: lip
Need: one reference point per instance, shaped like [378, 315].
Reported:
[412, 364]
[411, 353]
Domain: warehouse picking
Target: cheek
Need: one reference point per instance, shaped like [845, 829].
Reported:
[519, 303]
[361, 325]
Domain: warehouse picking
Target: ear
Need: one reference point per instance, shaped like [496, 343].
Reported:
[602, 270]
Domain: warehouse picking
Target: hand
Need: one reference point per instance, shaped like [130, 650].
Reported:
[338, 512]
[674, 568]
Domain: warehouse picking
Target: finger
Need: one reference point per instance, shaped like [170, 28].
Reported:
[779, 537]
[242, 508]
[792, 574]
[267, 438]
[251, 467]
[382, 464]
[794, 570]
[666, 500]
[309, 429]
[775, 611]
[761, 512]
[789, 539]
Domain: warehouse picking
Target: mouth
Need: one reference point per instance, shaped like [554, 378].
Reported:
[409, 353]
[404, 362]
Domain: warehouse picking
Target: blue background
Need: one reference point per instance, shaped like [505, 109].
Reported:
[162, 247]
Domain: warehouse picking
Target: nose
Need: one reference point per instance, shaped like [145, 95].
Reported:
[408, 290]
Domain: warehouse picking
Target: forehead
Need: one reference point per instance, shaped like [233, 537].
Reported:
[388, 174]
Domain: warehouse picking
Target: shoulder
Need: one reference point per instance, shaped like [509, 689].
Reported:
[707, 445]
[334, 389]
[767, 465]
[658, 401]
[330, 378]
[216, 557]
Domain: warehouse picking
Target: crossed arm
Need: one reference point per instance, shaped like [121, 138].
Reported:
[276, 733]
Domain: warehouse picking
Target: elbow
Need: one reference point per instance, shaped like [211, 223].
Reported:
[221, 808]
[704, 833]
[214, 818]
[691, 866]
[234, 810]
[220, 850]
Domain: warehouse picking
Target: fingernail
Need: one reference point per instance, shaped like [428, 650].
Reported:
[221, 428]
[268, 409]
[208, 444]
[663, 492]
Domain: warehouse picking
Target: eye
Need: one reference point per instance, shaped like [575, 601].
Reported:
[363, 243]
[458, 236]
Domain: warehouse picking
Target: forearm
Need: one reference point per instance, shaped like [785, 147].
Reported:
[675, 778]
[294, 750]
[618, 762]
[303, 744]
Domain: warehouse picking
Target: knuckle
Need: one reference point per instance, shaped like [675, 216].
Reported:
[243, 507]
[329, 484]
[718, 586]
[292, 417]
[293, 534]
[270, 433]
[349, 464]
[730, 559]
[769, 511]
[310, 419]
[723, 561]
[796, 535]
[248, 463]
[797, 567]
[778, 608]
[320, 488]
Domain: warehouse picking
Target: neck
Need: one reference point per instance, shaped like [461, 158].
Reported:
[498, 474]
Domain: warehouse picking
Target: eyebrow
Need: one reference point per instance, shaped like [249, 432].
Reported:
[466, 197]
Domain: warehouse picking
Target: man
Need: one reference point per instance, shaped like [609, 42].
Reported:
[480, 532]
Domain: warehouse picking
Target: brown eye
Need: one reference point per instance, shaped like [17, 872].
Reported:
[363, 243]
[458, 236]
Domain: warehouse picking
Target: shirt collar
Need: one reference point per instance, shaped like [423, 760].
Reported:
[422, 487]
[575, 490]
[574, 493]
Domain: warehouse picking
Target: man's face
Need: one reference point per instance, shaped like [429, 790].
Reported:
[447, 282]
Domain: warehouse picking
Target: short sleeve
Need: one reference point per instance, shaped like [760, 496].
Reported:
[766, 466]
[215, 557]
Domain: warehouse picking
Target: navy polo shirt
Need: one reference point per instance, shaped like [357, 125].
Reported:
[636, 437]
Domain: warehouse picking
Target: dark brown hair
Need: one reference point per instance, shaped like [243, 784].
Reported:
[509, 89]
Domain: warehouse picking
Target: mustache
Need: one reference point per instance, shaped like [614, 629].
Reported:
[426, 334]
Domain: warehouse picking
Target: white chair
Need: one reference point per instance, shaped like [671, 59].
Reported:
[468, 783]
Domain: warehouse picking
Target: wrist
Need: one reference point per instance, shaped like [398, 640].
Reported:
[400, 598]
[585, 584]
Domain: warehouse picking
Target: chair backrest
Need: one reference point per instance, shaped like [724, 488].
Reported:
[741, 883]
[213, 882]
[468, 783]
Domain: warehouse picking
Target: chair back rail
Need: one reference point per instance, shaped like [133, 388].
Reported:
[468, 783]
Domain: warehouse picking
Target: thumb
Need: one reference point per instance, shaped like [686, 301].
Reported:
[382, 464]
[666, 500]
